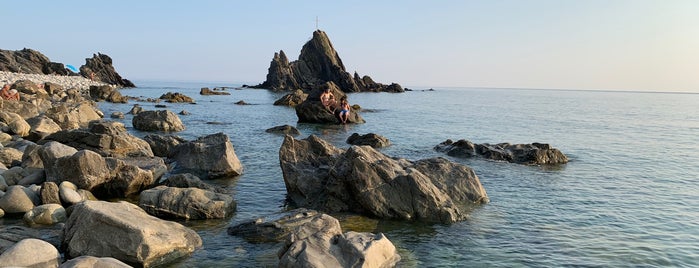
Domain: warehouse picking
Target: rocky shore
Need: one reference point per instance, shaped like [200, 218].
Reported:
[67, 82]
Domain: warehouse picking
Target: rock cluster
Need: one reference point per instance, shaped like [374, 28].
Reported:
[312, 110]
[318, 63]
[100, 68]
[527, 154]
[362, 180]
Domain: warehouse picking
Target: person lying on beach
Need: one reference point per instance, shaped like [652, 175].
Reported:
[344, 110]
[328, 100]
[9, 94]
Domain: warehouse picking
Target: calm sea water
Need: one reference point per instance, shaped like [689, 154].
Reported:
[628, 198]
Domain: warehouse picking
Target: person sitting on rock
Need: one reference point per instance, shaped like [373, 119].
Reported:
[9, 94]
[328, 100]
[344, 110]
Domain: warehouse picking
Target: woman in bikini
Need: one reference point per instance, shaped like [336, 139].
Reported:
[328, 100]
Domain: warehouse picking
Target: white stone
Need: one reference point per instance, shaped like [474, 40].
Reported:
[30, 252]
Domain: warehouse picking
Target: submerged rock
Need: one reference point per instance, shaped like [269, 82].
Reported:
[186, 203]
[285, 130]
[362, 180]
[527, 154]
[273, 228]
[176, 97]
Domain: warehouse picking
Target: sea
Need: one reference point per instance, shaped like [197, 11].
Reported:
[629, 197]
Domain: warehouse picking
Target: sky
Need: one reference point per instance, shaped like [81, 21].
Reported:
[645, 45]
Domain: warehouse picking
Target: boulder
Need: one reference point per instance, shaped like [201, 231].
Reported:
[73, 115]
[48, 214]
[162, 120]
[186, 203]
[207, 91]
[135, 109]
[53, 88]
[371, 139]
[163, 145]
[117, 115]
[107, 138]
[318, 63]
[125, 232]
[207, 157]
[321, 243]
[31, 252]
[362, 180]
[10, 156]
[107, 93]
[40, 127]
[527, 154]
[33, 178]
[10, 235]
[313, 111]
[18, 199]
[3, 184]
[27, 87]
[14, 175]
[176, 97]
[4, 137]
[49, 153]
[100, 68]
[125, 179]
[90, 261]
[284, 130]
[22, 108]
[273, 228]
[187, 180]
[15, 123]
[49, 193]
[86, 169]
[68, 193]
[292, 99]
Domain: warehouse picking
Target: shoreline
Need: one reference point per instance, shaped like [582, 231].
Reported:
[67, 82]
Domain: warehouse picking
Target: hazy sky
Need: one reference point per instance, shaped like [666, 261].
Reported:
[585, 44]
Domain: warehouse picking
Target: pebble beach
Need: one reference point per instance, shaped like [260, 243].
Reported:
[67, 82]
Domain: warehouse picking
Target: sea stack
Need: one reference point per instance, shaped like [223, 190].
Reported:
[318, 63]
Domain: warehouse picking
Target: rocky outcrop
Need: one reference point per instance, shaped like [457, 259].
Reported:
[318, 63]
[100, 68]
[162, 120]
[186, 203]
[527, 154]
[313, 111]
[107, 93]
[284, 130]
[362, 180]
[31, 253]
[107, 138]
[207, 91]
[371, 139]
[176, 97]
[73, 115]
[125, 232]
[29, 61]
[207, 157]
[292, 99]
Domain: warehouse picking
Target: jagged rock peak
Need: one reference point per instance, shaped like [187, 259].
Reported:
[317, 64]
[100, 68]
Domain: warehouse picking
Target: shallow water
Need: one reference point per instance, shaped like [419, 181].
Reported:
[628, 197]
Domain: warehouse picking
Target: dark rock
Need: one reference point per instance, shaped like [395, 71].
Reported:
[135, 109]
[371, 139]
[527, 154]
[242, 102]
[117, 115]
[176, 97]
[25, 61]
[184, 112]
[186, 203]
[362, 180]
[285, 130]
[318, 63]
[160, 106]
[107, 93]
[207, 157]
[162, 120]
[100, 68]
[313, 111]
[163, 145]
[292, 99]
[207, 91]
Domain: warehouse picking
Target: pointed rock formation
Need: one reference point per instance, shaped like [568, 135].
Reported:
[101, 66]
[318, 63]
[29, 61]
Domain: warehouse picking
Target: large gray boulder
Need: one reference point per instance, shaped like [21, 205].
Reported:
[526, 154]
[45, 215]
[125, 232]
[107, 138]
[31, 252]
[49, 153]
[362, 180]
[186, 203]
[90, 261]
[15, 123]
[319, 242]
[292, 99]
[18, 199]
[40, 127]
[207, 157]
[86, 169]
[162, 120]
[70, 115]
[163, 145]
